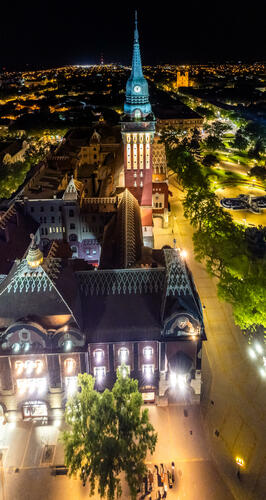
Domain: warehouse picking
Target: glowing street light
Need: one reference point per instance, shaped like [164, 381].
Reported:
[183, 254]
[258, 348]
[252, 353]
[240, 462]
[181, 381]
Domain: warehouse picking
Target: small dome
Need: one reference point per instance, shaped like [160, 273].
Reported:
[35, 256]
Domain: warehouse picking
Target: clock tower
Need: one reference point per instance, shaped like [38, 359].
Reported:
[138, 128]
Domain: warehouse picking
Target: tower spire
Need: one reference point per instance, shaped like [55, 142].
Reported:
[136, 59]
[136, 33]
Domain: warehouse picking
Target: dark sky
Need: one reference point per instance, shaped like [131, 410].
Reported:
[51, 33]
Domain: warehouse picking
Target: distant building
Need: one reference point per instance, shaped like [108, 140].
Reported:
[182, 79]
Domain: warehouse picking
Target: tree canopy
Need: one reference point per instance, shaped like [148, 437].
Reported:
[109, 433]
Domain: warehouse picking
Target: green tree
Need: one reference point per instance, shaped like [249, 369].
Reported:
[213, 143]
[240, 142]
[259, 172]
[209, 160]
[109, 434]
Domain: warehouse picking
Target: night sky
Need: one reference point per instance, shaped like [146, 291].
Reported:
[53, 34]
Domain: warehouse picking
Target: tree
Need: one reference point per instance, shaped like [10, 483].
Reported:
[240, 142]
[109, 434]
[210, 160]
[259, 172]
[213, 143]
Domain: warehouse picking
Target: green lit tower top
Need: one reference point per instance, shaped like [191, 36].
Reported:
[137, 103]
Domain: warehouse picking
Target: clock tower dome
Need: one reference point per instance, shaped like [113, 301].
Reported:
[138, 128]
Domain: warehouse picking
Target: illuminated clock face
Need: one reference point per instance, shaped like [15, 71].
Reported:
[137, 88]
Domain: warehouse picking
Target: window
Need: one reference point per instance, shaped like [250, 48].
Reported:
[41, 220]
[69, 365]
[99, 373]
[98, 354]
[94, 252]
[42, 232]
[42, 209]
[73, 237]
[44, 220]
[73, 249]
[124, 370]
[88, 252]
[32, 209]
[46, 231]
[148, 371]
[51, 208]
[123, 354]
[60, 209]
[147, 352]
[52, 220]
[72, 226]
[71, 213]
[95, 157]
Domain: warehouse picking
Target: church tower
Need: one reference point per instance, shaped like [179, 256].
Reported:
[138, 128]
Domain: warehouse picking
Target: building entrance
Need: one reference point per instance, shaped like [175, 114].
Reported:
[35, 410]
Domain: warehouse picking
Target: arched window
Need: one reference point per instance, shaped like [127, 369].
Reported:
[137, 113]
[147, 352]
[19, 367]
[123, 354]
[98, 354]
[69, 365]
[73, 237]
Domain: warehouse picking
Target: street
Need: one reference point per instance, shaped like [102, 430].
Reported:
[233, 402]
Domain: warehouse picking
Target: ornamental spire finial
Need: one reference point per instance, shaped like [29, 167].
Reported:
[136, 33]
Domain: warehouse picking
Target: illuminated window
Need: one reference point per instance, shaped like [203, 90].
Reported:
[38, 366]
[69, 365]
[19, 367]
[99, 372]
[124, 370]
[98, 354]
[137, 113]
[123, 354]
[147, 352]
[148, 371]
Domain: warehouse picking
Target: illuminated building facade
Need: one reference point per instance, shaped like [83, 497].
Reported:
[57, 319]
[182, 79]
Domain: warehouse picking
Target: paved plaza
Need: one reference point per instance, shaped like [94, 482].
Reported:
[181, 440]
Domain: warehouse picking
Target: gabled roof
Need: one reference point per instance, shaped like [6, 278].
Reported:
[73, 190]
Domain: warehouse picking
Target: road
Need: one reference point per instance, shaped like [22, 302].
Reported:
[180, 439]
[233, 401]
